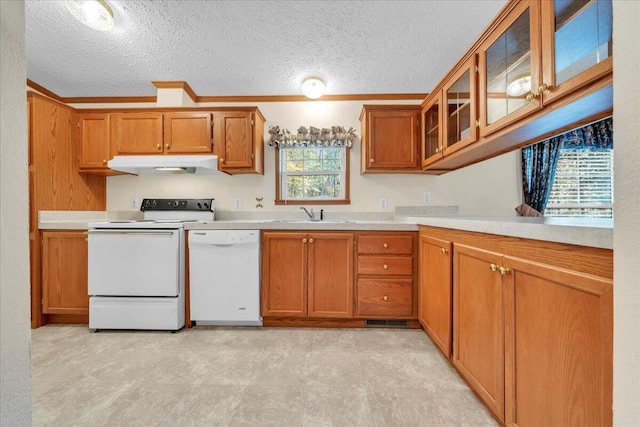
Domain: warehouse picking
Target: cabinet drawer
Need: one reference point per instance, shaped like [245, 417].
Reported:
[385, 265]
[395, 245]
[385, 297]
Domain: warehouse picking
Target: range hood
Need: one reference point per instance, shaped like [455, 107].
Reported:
[158, 164]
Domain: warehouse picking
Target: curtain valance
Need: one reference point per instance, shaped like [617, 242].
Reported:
[596, 136]
[335, 136]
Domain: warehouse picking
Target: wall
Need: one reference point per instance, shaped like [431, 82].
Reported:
[488, 188]
[626, 236]
[15, 337]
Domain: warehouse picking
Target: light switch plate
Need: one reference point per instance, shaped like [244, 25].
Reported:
[238, 203]
[133, 202]
[383, 203]
[426, 197]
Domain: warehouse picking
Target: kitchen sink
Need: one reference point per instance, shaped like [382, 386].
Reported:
[308, 221]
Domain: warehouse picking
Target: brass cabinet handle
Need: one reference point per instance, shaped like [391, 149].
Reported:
[222, 160]
[493, 267]
[543, 87]
[371, 160]
[104, 162]
[311, 240]
[304, 240]
[530, 97]
[504, 270]
[385, 298]
[443, 250]
[158, 146]
[437, 149]
[167, 146]
[385, 246]
[386, 267]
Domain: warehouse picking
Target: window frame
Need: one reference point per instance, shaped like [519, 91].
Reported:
[345, 201]
[579, 207]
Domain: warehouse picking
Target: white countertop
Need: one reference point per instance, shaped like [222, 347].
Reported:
[593, 232]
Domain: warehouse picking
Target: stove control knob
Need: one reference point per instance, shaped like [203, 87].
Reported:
[175, 203]
[199, 205]
[154, 203]
[147, 203]
[206, 205]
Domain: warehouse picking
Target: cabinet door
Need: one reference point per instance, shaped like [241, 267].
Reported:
[284, 274]
[478, 349]
[431, 130]
[139, 133]
[459, 115]
[509, 65]
[434, 291]
[64, 273]
[330, 288]
[187, 133]
[392, 139]
[235, 130]
[558, 346]
[576, 45]
[94, 141]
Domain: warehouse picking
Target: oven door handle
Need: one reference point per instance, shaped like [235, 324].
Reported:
[133, 233]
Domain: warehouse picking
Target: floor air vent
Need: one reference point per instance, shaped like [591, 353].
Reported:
[374, 323]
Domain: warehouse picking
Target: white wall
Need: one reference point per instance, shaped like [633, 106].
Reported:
[15, 337]
[488, 188]
[626, 236]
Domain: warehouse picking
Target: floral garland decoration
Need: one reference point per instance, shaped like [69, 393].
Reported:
[336, 136]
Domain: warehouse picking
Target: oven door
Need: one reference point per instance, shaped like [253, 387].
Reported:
[127, 262]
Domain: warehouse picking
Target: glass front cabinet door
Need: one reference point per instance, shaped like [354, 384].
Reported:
[459, 103]
[431, 130]
[509, 69]
[576, 44]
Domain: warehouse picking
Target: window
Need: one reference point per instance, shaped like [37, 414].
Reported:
[316, 175]
[583, 185]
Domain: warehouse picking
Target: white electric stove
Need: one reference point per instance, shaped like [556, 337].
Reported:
[137, 268]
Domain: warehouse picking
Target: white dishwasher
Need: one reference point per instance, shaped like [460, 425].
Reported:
[224, 277]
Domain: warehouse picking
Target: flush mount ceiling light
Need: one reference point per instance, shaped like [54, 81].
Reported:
[313, 87]
[520, 85]
[94, 14]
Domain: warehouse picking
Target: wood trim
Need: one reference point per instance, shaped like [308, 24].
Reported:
[69, 319]
[110, 99]
[43, 90]
[36, 95]
[177, 85]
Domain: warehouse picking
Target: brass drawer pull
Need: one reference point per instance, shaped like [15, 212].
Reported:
[385, 298]
[493, 267]
[385, 246]
[386, 267]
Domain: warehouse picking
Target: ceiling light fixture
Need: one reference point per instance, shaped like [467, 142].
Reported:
[520, 85]
[313, 87]
[94, 14]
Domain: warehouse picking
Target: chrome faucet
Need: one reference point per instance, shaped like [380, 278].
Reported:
[311, 215]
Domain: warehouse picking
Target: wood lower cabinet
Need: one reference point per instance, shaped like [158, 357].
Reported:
[559, 332]
[434, 290]
[64, 272]
[307, 274]
[478, 350]
[386, 273]
[532, 325]
[390, 138]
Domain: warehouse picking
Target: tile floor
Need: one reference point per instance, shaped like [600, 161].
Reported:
[246, 377]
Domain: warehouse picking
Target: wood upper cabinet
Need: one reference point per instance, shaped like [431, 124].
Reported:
[386, 272]
[164, 133]
[139, 133]
[577, 45]
[478, 312]
[94, 149]
[188, 133]
[431, 129]
[459, 97]
[510, 68]
[307, 274]
[434, 290]
[64, 272]
[239, 141]
[390, 135]
[559, 346]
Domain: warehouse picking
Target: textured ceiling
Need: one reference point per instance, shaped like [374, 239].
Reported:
[226, 48]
